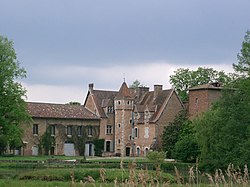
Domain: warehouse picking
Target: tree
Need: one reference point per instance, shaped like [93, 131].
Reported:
[183, 79]
[136, 84]
[223, 133]
[186, 148]
[172, 133]
[243, 66]
[74, 103]
[12, 105]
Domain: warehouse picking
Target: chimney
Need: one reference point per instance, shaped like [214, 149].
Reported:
[157, 90]
[91, 87]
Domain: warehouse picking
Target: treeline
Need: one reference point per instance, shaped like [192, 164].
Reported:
[221, 135]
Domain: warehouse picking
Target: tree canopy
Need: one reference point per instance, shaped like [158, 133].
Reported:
[223, 132]
[136, 84]
[243, 66]
[13, 109]
[184, 78]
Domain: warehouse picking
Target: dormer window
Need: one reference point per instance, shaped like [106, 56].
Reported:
[110, 109]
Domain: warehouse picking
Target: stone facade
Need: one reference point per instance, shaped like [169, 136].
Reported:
[133, 119]
[70, 128]
[202, 97]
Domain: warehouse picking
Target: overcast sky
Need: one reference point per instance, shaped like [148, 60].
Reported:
[65, 45]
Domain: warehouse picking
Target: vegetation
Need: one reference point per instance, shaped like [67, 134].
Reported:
[131, 173]
[179, 140]
[12, 105]
[136, 84]
[223, 133]
[186, 148]
[243, 66]
[99, 145]
[47, 142]
[171, 133]
[183, 79]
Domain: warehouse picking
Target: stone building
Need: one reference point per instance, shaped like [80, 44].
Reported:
[202, 97]
[69, 128]
[132, 119]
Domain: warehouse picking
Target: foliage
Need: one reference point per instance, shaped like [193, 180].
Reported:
[172, 132]
[243, 66]
[74, 103]
[156, 156]
[223, 132]
[99, 145]
[136, 84]
[47, 141]
[12, 106]
[183, 79]
[186, 148]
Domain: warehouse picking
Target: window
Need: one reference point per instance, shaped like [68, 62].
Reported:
[119, 125]
[79, 130]
[90, 130]
[109, 129]
[119, 141]
[69, 130]
[196, 101]
[128, 102]
[136, 132]
[110, 109]
[119, 102]
[35, 129]
[52, 130]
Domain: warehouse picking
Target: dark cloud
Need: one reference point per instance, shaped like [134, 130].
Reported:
[111, 32]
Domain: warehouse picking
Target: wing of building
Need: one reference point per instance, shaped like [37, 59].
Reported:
[64, 127]
[132, 119]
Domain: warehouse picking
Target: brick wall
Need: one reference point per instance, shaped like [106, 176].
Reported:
[201, 99]
[174, 106]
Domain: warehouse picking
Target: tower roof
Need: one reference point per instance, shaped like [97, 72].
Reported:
[124, 92]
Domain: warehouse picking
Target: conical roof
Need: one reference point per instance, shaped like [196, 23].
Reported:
[124, 92]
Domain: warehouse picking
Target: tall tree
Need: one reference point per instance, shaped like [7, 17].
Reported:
[136, 84]
[183, 79]
[243, 66]
[223, 133]
[13, 109]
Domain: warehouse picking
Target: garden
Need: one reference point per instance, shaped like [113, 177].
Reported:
[77, 171]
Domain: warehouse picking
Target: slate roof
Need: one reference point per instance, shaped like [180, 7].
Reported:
[61, 111]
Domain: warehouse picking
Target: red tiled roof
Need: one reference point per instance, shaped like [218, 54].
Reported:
[62, 111]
